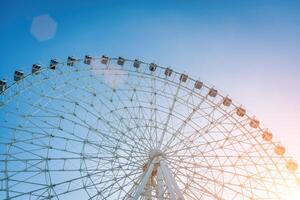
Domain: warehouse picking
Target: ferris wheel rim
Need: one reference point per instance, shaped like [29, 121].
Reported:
[151, 74]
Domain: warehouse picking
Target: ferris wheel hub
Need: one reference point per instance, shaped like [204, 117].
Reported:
[156, 153]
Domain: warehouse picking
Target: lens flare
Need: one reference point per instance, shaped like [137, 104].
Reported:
[295, 195]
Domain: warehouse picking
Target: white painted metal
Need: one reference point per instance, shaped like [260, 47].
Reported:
[173, 181]
[145, 179]
[160, 187]
[100, 130]
[168, 179]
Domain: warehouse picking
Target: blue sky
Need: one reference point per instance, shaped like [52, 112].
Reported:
[248, 49]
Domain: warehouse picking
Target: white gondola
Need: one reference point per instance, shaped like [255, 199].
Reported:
[3, 85]
[136, 63]
[291, 166]
[213, 92]
[18, 75]
[104, 60]
[152, 67]
[183, 77]
[279, 150]
[87, 59]
[254, 123]
[198, 85]
[227, 101]
[36, 68]
[53, 64]
[267, 136]
[121, 61]
[241, 112]
[71, 61]
[168, 72]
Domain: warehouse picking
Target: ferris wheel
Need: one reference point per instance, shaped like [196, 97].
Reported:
[114, 128]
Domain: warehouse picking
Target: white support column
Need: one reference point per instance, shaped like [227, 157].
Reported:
[168, 181]
[148, 189]
[171, 183]
[163, 175]
[144, 181]
[160, 186]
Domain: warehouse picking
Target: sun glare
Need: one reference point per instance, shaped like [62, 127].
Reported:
[295, 195]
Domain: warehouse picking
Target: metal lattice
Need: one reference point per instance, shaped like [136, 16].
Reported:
[112, 128]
